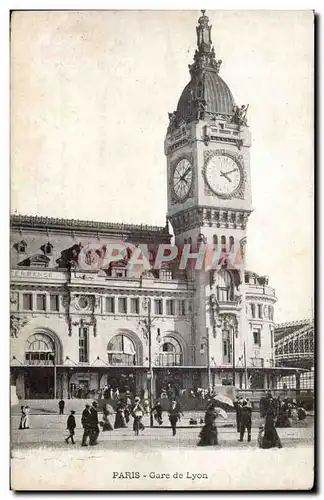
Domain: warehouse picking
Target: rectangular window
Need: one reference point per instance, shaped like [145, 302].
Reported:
[170, 307]
[165, 274]
[134, 306]
[110, 305]
[119, 273]
[122, 305]
[260, 310]
[41, 302]
[27, 301]
[257, 337]
[54, 302]
[253, 310]
[182, 307]
[158, 306]
[83, 345]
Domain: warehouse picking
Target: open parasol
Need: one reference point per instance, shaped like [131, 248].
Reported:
[224, 400]
[221, 413]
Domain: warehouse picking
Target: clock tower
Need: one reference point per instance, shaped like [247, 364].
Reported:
[207, 147]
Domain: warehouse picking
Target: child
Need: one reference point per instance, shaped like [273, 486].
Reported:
[71, 425]
[23, 418]
[261, 436]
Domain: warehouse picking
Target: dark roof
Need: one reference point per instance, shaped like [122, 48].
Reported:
[218, 97]
[58, 224]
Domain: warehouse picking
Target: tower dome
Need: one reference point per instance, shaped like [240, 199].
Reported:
[217, 95]
[206, 96]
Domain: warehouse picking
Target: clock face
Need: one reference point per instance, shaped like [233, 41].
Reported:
[223, 175]
[182, 179]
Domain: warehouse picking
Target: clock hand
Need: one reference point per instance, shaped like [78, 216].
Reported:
[231, 171]
[186, 172]
[180, 180]
[223, 174]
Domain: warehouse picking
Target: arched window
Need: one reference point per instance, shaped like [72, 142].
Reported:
[40, 350]
[168, 347]
[121, 351]
[223, 242]
[271, 313]
[224, 287]
[170, 353]
[231, 244]
[215, 239]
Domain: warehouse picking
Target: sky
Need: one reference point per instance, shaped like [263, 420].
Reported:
[90, 96]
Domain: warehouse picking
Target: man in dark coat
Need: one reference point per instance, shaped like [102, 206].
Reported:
[61, 407]
[158, 412]
[238, 407]
[245, 420]
[174, 416]
[71, 425]
[94, 424]
[85, 424]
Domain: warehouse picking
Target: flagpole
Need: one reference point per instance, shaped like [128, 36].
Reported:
[245, 368]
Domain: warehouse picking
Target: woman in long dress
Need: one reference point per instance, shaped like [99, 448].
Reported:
[106, 425]
[271, 438]
[208, 435]
[120, 416]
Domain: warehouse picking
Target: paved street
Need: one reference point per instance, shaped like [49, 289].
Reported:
[48, 431]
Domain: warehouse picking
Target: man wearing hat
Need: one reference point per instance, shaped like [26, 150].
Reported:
[245, 420]
[85, 424]
[94, 424]
[71, 425]
[174, 415]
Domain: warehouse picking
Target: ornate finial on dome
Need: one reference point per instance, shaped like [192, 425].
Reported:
[204, 41]
[205, 54]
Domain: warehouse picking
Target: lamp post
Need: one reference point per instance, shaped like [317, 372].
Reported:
[231, 329]
[206, 339]
[233, 342]
[148, 327]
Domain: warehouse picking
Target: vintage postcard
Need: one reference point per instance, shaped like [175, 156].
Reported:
[161, 294]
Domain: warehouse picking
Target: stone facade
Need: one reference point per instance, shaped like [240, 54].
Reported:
[76, 328]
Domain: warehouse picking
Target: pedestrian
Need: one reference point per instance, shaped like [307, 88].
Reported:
[27, 410]
[94, 424]
[22, 424]
[245, 420]
[284, 414]
[208, 435]
[158, 412]
[138, 413]
[71, 425]
[174, 416]
[261, 436]
[120, 421]
[271, 438]
[238, 406]
[61, 405]
[86, 425]
[106, 425]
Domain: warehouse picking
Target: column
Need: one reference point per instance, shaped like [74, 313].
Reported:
[297, 383]
[48, 303]
[65, 385]
[20, 385]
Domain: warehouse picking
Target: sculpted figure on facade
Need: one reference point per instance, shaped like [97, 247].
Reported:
[16, 323]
